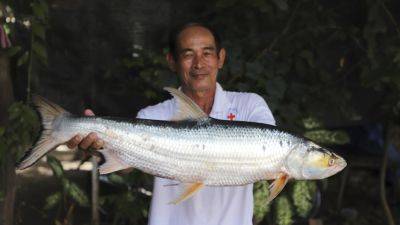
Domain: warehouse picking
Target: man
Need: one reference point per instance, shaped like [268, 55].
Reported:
[196, 56]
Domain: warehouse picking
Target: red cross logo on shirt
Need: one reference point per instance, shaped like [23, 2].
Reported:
[231, 116]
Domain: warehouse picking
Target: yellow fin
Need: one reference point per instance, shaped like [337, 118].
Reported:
[187, 108]
[276, 187]
[112, 163]
[189, 191]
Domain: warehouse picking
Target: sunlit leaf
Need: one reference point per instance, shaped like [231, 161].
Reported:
[283, 211]
[52, 200]
[302, 195]
[311, 123]
[261, 208]
[78, 194]
[55, 166]
[116, 179]
[328, 137]
[23, 59]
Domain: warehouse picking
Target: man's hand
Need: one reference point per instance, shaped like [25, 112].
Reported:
[91, 140]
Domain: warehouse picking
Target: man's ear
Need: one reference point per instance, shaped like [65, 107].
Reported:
[221, 58]
[171, 61]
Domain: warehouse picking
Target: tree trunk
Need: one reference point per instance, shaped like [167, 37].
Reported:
[7, 171]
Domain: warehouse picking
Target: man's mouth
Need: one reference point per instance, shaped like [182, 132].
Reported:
[198, 75]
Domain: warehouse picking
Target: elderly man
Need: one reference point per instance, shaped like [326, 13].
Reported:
[196, 56]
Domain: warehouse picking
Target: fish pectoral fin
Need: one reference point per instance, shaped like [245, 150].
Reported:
[187, 108]
[112, 163]
[277, 186]
[190, 190]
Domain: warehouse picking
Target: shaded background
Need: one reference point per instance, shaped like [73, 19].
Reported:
[329, 70]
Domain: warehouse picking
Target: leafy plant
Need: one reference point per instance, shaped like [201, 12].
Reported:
[69, 191]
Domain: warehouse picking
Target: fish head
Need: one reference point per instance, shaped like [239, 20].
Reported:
[320, 163]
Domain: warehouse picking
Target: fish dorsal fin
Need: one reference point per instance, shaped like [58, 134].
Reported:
[187, 108]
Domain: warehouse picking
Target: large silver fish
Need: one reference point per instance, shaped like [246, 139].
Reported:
[193, 149]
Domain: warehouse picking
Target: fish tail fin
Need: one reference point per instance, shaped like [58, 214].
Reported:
[48, 112]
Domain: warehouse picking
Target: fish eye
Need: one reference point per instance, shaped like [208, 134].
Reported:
[331, 162]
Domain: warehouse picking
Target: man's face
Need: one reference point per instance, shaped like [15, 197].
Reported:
[197, 61]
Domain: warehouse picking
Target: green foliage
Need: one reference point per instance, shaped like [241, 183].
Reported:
[18, 135]
[52, 200]
[128, 205]
[69, 189]
[328, 137]
[302, 195]
[261, 208]
[283, 211]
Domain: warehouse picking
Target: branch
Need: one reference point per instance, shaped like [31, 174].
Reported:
[385, 205]
[390, 15]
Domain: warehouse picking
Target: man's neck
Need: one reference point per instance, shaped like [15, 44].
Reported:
[204, 99]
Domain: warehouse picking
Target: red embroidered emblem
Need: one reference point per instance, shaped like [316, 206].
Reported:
[231, 116]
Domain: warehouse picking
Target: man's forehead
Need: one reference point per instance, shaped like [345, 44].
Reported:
[196, 36]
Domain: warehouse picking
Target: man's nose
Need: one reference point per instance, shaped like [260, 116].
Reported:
[198, 62]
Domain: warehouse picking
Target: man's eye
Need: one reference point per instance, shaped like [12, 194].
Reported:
[188, 55]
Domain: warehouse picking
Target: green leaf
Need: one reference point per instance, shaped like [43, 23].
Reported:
[78, 194]
[23, 59]
[38, 30]
[303, 192]
[312, 123]
[38, 10]
[40, 50]
[116, 179]
[55, 166]
[13, 51]
[284, 213]
[52, 200]
[328, 137]
[261, 208]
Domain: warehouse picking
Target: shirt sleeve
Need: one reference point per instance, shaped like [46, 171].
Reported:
[259, 111]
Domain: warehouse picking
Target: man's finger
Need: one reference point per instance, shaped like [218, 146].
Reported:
[74, 141]
[98, 144]
[88, 112]
[88, 140]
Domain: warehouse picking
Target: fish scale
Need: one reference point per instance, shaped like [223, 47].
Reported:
[170, 152]
[192, 149]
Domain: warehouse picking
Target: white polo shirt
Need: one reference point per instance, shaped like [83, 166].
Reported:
[230, 205]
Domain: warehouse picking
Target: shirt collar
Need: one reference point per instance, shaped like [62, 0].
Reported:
[220, 100]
